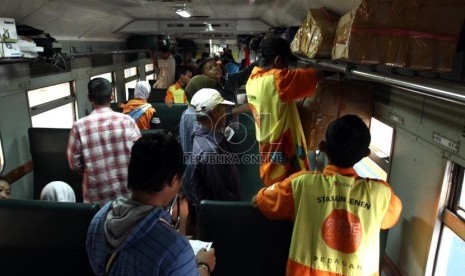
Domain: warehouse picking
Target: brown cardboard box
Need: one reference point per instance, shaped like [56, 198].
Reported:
[416, 34]
[333, 99]
[316, 34]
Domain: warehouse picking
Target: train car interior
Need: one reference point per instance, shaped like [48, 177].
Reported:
[397, 64]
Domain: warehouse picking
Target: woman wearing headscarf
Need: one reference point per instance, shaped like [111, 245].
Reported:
[138, 108]
[58, 191]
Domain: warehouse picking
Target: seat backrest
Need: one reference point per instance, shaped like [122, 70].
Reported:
[157, 95]
[44, 238]
[244, 144]
[245, 242]
[169, 116]
[48, 152]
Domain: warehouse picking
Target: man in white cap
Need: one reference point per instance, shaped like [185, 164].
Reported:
[215, 174]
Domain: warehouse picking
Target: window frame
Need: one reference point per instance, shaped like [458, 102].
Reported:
[56, 103]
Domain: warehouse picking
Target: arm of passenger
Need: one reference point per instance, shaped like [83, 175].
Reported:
[243, 108]
[241, 77]
[136, 132]
[73, 151]
[185, 262]
[276, 201]
[393, 212]
[295, 84]
[169, 98]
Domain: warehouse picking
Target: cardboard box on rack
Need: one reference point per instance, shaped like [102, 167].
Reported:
[416, 34]
[316, 34]
[333, 99]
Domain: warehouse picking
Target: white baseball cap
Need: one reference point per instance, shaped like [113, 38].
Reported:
[207, 98]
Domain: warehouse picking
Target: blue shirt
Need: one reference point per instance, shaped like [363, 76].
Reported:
[215, 174]
[187, 125]
[153, 247]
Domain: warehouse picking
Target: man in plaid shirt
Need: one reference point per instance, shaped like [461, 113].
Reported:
[99, 146]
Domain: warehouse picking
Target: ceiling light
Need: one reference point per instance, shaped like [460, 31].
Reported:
[184, 12]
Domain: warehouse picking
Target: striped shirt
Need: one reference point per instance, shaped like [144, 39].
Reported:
[99, 146]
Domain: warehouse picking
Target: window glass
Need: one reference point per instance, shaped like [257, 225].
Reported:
[60, 117]
[48, 94]
[381, 138]
[149, 67]
[461, 200]
[381, 142]
[2, 159]
[129, 72]
[150, 77]
[131, 84]
[107, 76]
[450, 255]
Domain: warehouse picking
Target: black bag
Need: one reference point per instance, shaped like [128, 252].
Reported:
[52, 51]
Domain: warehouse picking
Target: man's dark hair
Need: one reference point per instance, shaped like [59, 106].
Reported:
[155, 160]
[204, 61]
[347, 141]
[181, 70]
[100, 91]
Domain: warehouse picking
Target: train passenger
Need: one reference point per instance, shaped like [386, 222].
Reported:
[187, 125]
[176, 93]
[165, 65]
[214, 177]
[99, 146]
[228, 85]
[337, 214]
[134, 236]
[58, 191]
[271, 92]
[139, 109]
[5, 188]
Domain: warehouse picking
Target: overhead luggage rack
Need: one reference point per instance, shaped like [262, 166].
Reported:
[417, 82]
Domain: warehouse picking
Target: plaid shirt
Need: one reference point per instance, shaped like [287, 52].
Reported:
[99, 146]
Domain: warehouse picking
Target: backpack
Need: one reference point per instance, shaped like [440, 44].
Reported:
[52, 48]
[136, 113]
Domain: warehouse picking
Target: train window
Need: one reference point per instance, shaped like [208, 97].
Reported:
[131, 76]
[129, 72]
[149, 73]
[52, 106]
[60, 117]
[47, 94]
[107, 76]
[452, 241]
[377, 164]
[381, 139]
[2, 159]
